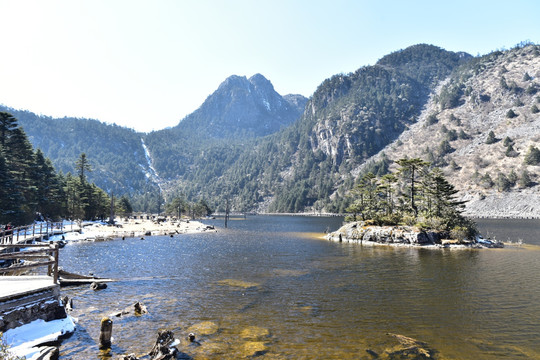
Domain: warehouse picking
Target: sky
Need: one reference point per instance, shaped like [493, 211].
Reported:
[147, 64]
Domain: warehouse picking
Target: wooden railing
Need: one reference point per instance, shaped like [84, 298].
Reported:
[23, 234]
[33, 256]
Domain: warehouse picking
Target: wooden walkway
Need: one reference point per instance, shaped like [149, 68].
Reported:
[18, 291]
[18, 288]
[30, 233]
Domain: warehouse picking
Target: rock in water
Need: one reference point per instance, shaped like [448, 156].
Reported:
[408, 349]
[98, 286]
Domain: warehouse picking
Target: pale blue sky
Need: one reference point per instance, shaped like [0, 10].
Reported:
[147, 64]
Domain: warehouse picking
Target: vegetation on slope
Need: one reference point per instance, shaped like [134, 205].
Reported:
[484, 136]
[116, 153]
[30, 187]
[348, 119]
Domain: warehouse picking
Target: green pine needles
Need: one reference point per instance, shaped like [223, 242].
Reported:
[416, 195]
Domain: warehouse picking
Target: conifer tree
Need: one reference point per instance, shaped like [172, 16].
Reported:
[7, 124]
[10, 198]
[83, 166]
[410, 169]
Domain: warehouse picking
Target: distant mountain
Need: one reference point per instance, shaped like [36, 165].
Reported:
[212, 136]
[242, 107]
[201, 146]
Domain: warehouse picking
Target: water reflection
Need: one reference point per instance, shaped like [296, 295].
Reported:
[306, 298]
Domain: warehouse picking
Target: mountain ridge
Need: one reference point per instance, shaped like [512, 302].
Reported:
[268, 152]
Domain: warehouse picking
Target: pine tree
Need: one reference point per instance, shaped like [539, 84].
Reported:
[10, 198]
[7, 124]
[21, 163]
[48, 187]
[410, 169]
[524, 180]
[443, 195]
[83, 165]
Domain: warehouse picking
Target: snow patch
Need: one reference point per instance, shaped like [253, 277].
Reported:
[23, 338]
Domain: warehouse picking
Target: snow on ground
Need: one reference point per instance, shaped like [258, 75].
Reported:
[23, 338]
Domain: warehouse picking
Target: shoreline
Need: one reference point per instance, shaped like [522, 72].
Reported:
[133, 228]
[466, 214]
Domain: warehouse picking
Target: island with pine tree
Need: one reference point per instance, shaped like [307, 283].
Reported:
[413, 205]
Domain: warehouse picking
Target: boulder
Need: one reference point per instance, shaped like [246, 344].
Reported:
[98, 286]
[136, 309]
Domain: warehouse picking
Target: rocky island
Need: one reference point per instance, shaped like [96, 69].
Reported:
[402, 235]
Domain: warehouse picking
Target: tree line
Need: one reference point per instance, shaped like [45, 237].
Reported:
[414, 194]
[30, 187]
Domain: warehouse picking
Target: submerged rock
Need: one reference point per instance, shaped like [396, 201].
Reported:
[407, 349]
[204, 328]
[253, 348]
[237, 283]
[254, 333]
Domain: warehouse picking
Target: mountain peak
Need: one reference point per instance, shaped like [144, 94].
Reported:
[243, 107]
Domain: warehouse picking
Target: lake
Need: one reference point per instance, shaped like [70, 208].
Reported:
[273, 287]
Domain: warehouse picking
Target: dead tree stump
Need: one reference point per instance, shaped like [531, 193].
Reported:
[162, 349]
[105, 333]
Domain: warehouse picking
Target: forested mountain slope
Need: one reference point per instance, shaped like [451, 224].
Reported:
[349, 118]
[482, 127]
[115, 153]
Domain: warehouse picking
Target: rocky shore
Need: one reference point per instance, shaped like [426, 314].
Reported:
[364, 234]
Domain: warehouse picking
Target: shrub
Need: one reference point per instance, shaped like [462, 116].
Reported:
[486, 182]
[432, 119]
[4, 351]
[463, 135]
[533, 156]
[459, 233]
[491, 138]
[532, 89]
[510, 152]
[534, 109]
[524, 180]
[511, 114]
[451, 135]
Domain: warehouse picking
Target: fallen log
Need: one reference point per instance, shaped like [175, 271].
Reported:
[67, 278]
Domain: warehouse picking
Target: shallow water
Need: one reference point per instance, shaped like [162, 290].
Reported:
[271, 286]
